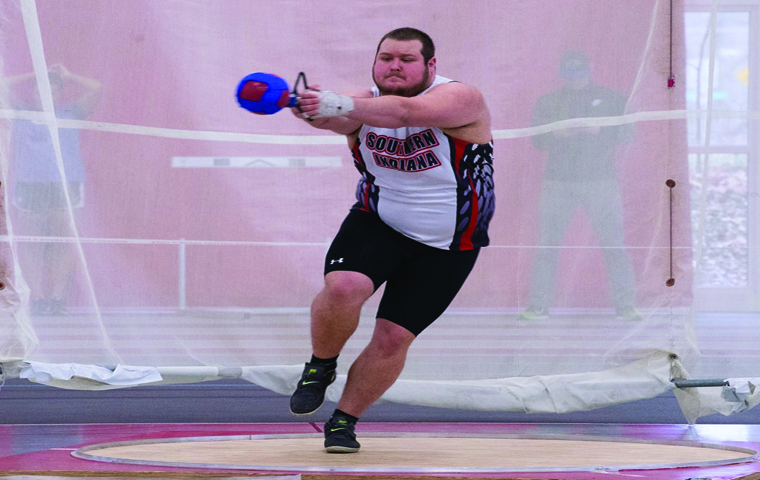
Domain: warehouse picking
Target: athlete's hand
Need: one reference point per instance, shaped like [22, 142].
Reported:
[318, 104]
[306, 98]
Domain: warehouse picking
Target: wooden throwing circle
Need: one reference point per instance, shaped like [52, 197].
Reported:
[418, 453]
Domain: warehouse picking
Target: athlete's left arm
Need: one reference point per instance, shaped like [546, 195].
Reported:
[450, 105]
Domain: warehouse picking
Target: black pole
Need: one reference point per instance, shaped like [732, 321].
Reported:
[699, 383]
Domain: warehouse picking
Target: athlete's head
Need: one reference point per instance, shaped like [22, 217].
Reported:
[404, 62]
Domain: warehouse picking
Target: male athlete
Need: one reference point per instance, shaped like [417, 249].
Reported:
[422, 144]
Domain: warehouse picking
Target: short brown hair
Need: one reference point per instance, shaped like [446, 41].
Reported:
[408, 33]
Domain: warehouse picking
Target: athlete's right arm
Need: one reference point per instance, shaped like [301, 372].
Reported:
[341, 125]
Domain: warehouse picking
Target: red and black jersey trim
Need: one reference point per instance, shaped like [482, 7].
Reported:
[367, 193]
[473, 168]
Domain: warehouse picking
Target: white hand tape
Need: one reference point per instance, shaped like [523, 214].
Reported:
[332, 104]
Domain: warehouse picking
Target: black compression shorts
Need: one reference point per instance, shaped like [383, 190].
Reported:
[421, 280]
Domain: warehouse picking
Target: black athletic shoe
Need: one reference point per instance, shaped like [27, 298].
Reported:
[310, 393]
[340, 436]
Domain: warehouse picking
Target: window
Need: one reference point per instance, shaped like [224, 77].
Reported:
[723, 170]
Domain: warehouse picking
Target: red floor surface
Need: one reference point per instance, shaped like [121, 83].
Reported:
[27, 449]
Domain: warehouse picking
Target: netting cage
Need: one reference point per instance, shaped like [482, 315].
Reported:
[155, 232]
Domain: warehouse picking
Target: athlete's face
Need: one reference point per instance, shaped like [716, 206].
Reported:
[400, 69]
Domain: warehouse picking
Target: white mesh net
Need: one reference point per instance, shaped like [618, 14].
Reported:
[150, 221]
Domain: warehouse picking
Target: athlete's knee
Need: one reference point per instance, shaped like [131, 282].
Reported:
[347, 287]
[390, 340]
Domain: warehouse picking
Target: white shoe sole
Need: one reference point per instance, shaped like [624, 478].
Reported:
[338, 449]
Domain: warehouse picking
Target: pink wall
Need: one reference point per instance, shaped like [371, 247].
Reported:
[175, 65]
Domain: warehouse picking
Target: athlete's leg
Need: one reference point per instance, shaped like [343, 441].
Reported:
[335, 311]
[376, 368]
[414, 298]
[416, 295]
[364, 253]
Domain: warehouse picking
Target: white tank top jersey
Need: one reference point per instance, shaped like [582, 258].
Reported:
[429, 186]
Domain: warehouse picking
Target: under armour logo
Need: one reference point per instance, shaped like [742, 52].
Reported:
[340, 260]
